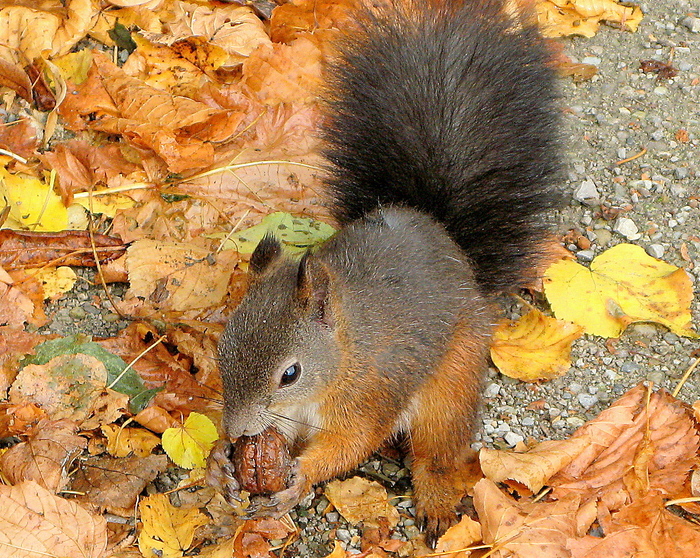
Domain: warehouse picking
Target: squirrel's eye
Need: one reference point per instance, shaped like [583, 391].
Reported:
[290, 375]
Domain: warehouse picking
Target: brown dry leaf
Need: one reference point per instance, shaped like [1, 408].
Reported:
[76, 380]
[37, 524]
[668, 534]
[15, 343]
[534, 467]
[458, 537]
[535, 347]
[280, 73]
[116, 483]
[160, 369]
[176, 277]
[16, 307]
[14, 77]
[106, 406]
[304, 17]
[521, 529]
[654, 447]
[122, 441]
[46, 457]
[51, 29]
[234, 29]
[26, 249]
[156, 419]
[82, 167]
[358, 499]
[166, 69]
[16, 420]
[20, 136]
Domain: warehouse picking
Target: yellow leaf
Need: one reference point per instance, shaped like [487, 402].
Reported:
[167, 531]
[561, 18]
[55, 280]
[458, 537]
[358, 499]
[37, 32]
[622, 286]
[33, 204]
[122, 442]
[75, 65]
[189, 445]
[535, 347]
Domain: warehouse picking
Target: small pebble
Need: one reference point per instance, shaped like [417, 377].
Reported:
[512, 439]
[655, 251]
[586, 192]
[587, 400]
[627, 228]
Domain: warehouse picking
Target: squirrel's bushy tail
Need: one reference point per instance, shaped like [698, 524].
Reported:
[450, 110]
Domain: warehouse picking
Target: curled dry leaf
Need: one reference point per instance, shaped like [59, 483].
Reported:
[359, 499]
[235, 29]
[262, 463]
[535, 347]
[46, 457]
[116, 483]
[523, 529]
[24, 249]
[47, 525]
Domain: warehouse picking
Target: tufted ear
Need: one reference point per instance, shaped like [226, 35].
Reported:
[313, 289]
[267, 251]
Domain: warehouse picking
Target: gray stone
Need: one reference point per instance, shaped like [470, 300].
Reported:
[586, 192]
[656, 251]
[626, 227]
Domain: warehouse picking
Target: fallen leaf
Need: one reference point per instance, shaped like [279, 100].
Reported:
[178, 277]
[535, 347]
[75, 379]
[33, 204]
[168, 532]
[358, 499]
[622, 286]
[26, 249]
[297, 234]
[524, 529]
[124, 441]
[46, 457]
[458, 537]
[189, 445]
[35, 524]
[116, 483]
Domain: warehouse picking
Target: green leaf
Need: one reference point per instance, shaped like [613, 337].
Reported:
[129, 384]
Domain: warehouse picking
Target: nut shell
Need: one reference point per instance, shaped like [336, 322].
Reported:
[262, 462]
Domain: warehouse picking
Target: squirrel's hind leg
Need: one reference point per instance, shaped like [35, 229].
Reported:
[441, 430]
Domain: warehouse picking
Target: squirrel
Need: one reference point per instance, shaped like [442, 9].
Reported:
[441, 136]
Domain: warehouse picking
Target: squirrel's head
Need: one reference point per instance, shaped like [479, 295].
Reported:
[279, 348]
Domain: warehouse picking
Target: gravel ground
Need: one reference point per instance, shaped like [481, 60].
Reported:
[609, 118]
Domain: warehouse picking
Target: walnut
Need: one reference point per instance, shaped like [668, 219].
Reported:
[262, 462]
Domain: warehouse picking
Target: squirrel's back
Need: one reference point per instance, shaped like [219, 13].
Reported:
[449, 109]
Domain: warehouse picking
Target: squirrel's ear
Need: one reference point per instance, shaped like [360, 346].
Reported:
[267, 251]
[313, 289]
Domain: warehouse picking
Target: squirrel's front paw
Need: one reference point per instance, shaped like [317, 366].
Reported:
[279, 503]
[221, 472]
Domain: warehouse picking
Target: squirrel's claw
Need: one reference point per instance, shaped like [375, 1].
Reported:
[220, 472]
[280, 503]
